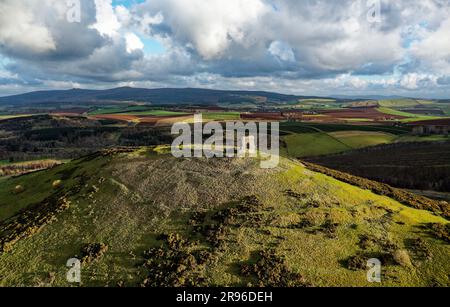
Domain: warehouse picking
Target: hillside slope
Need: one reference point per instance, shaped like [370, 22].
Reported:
[139, 217]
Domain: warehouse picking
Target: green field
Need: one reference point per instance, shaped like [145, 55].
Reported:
[305, 139]
[118, 109]
[313, 144]
[222, 116]
[444, 107]
[360, 139]
[318, 104]
[154, 113]
[410, 116]
[317, 100]
[398, 103]
[321, 143]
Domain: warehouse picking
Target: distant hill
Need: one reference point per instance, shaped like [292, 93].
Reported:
[162, 96]
[368, 97]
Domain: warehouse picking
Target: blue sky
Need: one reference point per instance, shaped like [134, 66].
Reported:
[320, 47]
[152, 46]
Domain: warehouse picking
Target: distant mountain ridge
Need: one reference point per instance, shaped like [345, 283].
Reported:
[159, 96]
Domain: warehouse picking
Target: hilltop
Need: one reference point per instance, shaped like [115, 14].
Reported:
[141, 217]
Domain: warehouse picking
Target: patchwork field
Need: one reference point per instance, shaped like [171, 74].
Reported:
[364, 113]
[306, 140]
[316, 144]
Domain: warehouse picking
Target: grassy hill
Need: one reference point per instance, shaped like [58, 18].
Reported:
[397, 103]
[139, 217]
[409, 117]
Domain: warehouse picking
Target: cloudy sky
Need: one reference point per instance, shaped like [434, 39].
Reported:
[314, 47]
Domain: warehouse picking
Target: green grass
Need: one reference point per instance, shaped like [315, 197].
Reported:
[154, 113]
[320, 143]
[104, 111]
[135, 110]
[118, 109]
[222, 116]
[318, 104]
[410, 116]
[390, 111]
[128, 213]
[444, 107]
[360, 139]
[304, 140]
[313, 144]
[398, 103]
[318, 100]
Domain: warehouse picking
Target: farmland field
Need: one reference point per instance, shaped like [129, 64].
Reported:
[408, 117]
[117, 109]
[313, 144]
[299, 127]
[359, 139]
[221, 116]
[161, 113]
[398, 103]
[2, 117]
[321, 143]
[420, 165]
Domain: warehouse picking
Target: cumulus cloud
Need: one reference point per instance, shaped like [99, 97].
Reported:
[285, 45]
[210, 27]
[20, 30]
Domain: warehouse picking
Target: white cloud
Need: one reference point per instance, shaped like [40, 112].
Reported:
[107, 22]
[19, 29]
[282, 51]
[434, 48]
[133, 42]
[302, 46]
[209, 26]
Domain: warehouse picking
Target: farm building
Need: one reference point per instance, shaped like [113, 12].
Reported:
[440, 126]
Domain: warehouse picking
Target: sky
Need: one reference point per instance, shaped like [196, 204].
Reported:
[304, 47]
